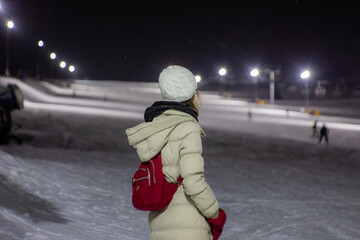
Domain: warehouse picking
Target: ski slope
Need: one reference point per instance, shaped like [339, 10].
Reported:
[72, 177]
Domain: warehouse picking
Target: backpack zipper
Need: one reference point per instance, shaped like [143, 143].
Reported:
[148, 176]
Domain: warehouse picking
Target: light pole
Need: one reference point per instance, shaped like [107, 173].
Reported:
[222, 72]
[52, 57]
[62, 65]
[272, 87]
[72, 70]
[10, 25]
[254, 74]
[38, 62]
[305, 76]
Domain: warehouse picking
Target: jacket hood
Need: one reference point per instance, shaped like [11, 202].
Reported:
[148, 138]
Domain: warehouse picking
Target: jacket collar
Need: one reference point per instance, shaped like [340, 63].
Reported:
[161, 106]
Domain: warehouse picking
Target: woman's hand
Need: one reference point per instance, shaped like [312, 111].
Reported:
[217, 224]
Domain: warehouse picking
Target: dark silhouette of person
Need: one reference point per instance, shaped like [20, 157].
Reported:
[5, 125]
[324, 132]
[314, 128]
[249, 114]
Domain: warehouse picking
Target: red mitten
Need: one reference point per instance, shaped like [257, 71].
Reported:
[217, 224]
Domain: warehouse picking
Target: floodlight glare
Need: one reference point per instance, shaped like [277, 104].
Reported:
[255, 72]
[10, 24]
[198, 78]
[41, 43]
[52, 55]
[222, 71]
[305, 74]
[71, 68]
[62, 64]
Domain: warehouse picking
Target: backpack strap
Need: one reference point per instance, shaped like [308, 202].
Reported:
[179, 180]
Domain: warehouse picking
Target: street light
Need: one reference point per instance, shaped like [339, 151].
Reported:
[10, 25]
[255, 72]
[305, 75]
[71, 68]
[41, 43]
[198, 78]
[53, 56]
[62, 64]
[222, 72]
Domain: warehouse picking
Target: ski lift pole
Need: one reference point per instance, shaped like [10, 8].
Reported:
[272, 87]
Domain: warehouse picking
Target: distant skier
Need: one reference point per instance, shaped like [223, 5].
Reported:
[249, 115]
[314, 128]
[324, 132]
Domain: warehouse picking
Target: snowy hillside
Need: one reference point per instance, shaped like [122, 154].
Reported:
[71, 179]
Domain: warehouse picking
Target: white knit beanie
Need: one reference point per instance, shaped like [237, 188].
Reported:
[177, 84]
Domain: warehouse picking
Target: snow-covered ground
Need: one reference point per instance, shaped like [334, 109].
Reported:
[71, 179]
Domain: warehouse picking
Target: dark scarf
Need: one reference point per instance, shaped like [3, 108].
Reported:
[161, 106]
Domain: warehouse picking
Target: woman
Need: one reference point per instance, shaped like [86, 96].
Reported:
[171, 127]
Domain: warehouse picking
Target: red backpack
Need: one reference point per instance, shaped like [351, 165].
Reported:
[151, 191]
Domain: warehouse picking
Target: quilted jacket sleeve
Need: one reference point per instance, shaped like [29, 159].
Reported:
[192, 172]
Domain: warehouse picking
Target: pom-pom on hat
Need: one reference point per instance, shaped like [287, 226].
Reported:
[177, 84]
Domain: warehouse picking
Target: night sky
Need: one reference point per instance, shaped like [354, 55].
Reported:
[135, 40]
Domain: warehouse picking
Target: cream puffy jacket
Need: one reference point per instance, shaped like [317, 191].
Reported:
[178, 136]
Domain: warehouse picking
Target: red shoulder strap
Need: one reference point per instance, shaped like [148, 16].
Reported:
[179, 180]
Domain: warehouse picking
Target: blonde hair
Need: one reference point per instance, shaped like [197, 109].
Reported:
[195, 101]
